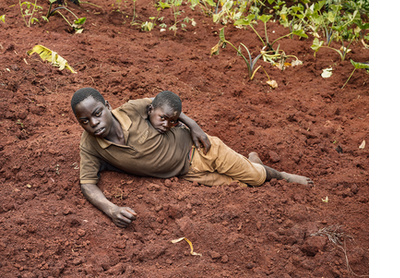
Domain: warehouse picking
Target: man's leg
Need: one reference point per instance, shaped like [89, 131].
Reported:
[274, 174]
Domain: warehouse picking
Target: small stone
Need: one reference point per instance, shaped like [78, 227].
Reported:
[249, 266]
[274, 157]
[81, 232]
[153, 187]
[168, 183]
[215, 255]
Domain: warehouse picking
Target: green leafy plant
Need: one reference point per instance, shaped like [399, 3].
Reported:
[357, 65]
[177, 13]
[293, 17]
[234, 10]
[342, 51]
[250, 62]
[250, 20]
[337, 25]
[117, 6]
[134, 11]
[342, 21]
[205, 5]
[276, 56]
[76, 25]
[148, 25]
[28, 11]
[280, 59]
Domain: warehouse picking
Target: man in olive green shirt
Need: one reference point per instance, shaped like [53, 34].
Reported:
[138, 138]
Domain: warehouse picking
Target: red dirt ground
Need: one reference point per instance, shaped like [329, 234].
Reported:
[48, 228]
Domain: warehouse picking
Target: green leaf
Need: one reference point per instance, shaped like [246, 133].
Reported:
[245, 20]
[80, 21]
[210, 3]
[316, 44]
[163, 5]
[359, 65]
[222, 34]
[331, 17]
[300, 33]
[265, 18]
[335, 8]
[318, 6]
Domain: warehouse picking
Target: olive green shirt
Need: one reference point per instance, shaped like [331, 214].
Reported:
[147, 152]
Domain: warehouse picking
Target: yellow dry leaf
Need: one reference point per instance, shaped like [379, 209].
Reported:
[362, 146]
[190, 244]
[272, 83]
[215, 48]
[51, 56]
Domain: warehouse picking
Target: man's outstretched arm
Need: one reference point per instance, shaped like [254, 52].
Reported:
[121, 216]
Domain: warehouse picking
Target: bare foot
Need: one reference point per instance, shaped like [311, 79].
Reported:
[272, 173]
[297, 179]
[253, 157]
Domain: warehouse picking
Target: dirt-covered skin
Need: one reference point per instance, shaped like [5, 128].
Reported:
[307, 126]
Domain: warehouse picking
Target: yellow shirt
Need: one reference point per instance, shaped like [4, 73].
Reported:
[147, 152]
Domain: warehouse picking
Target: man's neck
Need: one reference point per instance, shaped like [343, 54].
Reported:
[116, 133]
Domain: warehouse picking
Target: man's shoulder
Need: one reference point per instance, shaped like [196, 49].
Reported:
[136, 103]
[87, 140]
[137, 106]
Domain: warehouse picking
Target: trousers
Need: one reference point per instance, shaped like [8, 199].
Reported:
[222, 165]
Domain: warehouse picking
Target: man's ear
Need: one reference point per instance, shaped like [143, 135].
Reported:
[150, 109]
[108, 105]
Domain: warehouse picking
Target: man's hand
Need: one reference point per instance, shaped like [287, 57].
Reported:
[199, 137]
[122, 216]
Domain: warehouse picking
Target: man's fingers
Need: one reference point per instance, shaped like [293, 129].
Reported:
[206, 144]
[196, 143]
[121, 224]
[129, 213]
[122, 221]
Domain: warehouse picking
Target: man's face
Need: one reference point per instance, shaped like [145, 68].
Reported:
[163, 118]
[94, 117]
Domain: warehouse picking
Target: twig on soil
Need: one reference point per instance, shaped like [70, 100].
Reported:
[94, 83]
[334, 235]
